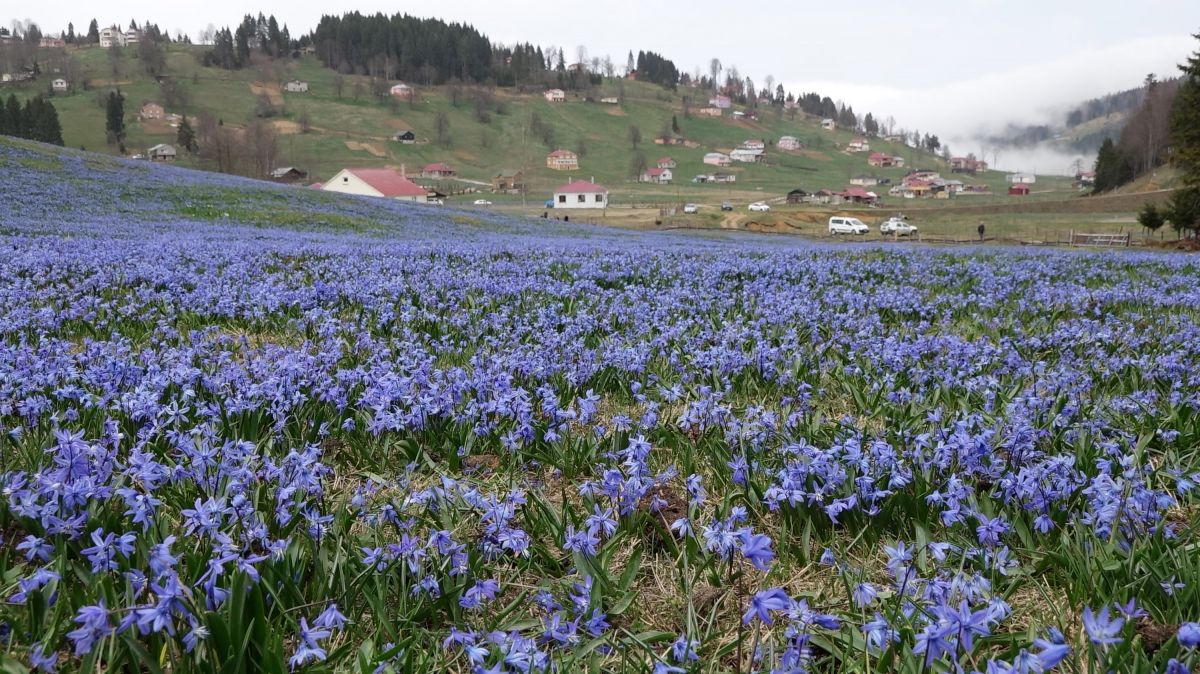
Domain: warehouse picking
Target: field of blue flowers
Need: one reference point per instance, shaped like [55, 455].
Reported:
[247, 428]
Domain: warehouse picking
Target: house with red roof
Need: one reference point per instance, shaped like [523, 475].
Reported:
[882, 160]
[1019, 190]
[438, 170]
[666, 163]
[858, 195]
[659, 176]
[562, 160]
[858, 145]
[376, 182]
[581, 194]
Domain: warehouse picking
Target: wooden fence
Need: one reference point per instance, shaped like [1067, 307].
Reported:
[1108, 240]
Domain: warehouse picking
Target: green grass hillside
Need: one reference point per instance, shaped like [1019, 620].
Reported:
[355, 131]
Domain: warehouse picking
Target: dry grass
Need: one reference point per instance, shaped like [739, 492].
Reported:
[273, 92]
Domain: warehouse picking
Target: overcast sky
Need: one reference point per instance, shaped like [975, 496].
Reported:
[949, 68]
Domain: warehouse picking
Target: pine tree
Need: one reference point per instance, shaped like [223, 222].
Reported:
[42, 121]
[1185, 121]
[70, 36]
[4, 130]
[1113, 168]
[93, 34]
[1151, 218]
[115, 118]
[186, 137]
[15, 118]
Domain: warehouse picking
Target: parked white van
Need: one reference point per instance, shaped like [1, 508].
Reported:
[847, 226]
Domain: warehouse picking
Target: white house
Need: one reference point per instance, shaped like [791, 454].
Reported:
[660, 176]
[789, 143]
[666, 162]
[161, 152]
[377, 182]
[610, 100]
[296, 87]
[59, 85]
[828, 124]
[555, 95]
[581, 194]
[746, 155]
[112, 37]
[401, 90]
[716, 159]
[721, 101]
[858, 145]
[865, 180]
[1022, 178]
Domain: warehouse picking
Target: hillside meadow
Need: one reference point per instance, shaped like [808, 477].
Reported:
[355, 130]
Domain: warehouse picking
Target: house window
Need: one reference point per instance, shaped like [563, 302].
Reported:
[582, 198]
[562, 198]
[599, 198]
[345, 179]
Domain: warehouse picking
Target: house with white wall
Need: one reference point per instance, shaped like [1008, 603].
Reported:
[581, 194]
[377, 182]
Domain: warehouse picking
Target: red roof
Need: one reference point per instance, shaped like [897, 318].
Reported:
[562, 153]
[858, 192]
[655, 171]
[665, 160]
[880, 155]
[582, 187]
[857, 141]
[439, 167]
[389, 182]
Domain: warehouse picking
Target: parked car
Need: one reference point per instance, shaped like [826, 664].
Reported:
[482, 202]
[691, 208]
[726, 205]
[847, 226]
[897, 226]
[760, 207]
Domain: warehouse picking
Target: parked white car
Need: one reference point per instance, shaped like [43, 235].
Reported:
[760, 207]
[691, 208]
[482, 202]
[847, 226]
[898, 226]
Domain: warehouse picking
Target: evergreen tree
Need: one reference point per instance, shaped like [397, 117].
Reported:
[1184, 211]
[4, 124]
[93, 34]
[70, 37]
[43, 121]
[186, 137]
[1185, 121]
[1113, 168]
[115, 118]
[1151, 218]
[15, 118]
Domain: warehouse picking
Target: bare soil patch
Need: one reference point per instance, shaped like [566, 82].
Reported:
[271, 90]
[371, 148]
[286, 127]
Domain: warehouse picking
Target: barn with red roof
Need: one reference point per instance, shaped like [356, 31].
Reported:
[377, 182]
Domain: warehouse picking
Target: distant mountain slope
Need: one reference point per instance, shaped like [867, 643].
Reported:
[1083, 128]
